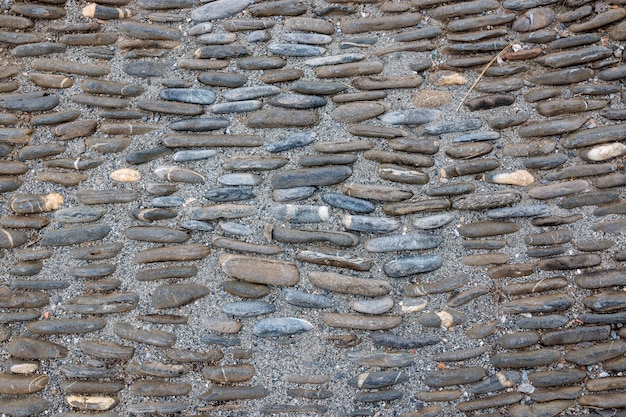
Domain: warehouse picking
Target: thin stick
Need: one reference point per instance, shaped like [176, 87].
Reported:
[495, 58]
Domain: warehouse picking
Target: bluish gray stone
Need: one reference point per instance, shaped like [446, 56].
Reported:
[294, 49]
[348, 203]
[251, 93]
[293, 194]
[229, 194]
[79, 214]
[435, 221]
[200, 124]
[295, 140]
[189, 95]
[220, 9]
[408, 241]
[335, 59]
[233, 228]
[240, 178]
[369, 224]
[167, 201]
[297, 101]
[527, 210]
[306, 38]
[403, 267]
[305, 300]
[281, 326]
[476, 137]
[198, 225]
[300, 213]
[236, 106]
[193, 155]
[248, 308]
[410, 117]
[450, 127]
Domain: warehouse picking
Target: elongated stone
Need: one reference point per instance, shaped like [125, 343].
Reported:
[434, 221]
[305, 300]
[596, 353]
[537, 286]
[553, 127]
[409, 241]
[411, 117]
[292, 141]
[369, 224]
[380, 23]
[157, 234]
[230, 393]
[361, 322]
[606, 301]
[335, 257]
[558, 190]
[29, 102]
[570, 262]
[75, 235]
[177, 295]
[281, 118]
[310, 177]
[525, 359]
[67, 326]
[349, 285]
[403, 267]
[376, 192]
[556, 377]
[11, 384]
[472, 167]
[23, 407]
[496, 382]
[399, 158]
[151, 337]
[487, 228]
[187, 252]
[259, 270]
[33, 348]
[281, 326]
[248, 308]
[494, 401]
[450, 377]
[106, 349]
[601, 278]
[480, 201]
[375, 380]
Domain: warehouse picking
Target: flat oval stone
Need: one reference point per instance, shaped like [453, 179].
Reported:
[33, 348]
[151, 337]
[259, 270]
[358, 111]
[349, 285]
[23, 407]
[248, 308]
[281, 118]
[246, 289]
[177, 295]
[75, 235]
[306, 300]
[403, 267]
[408, 241]
[525, 359]
[281, 326]
[361, 321]
[450, 377]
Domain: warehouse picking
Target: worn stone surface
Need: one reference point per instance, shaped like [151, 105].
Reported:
[343, 201]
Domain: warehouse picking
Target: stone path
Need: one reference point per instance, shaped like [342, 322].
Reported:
[350, 208]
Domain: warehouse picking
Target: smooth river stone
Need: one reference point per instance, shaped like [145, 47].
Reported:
[248, 308]
[326, 175]
[178, 295]
[281, 326]
[260, 270]
[408, 241]
[361, 321]
[75, 235]
[346, 284]
[403, 267]
[219, 9]
[276, 118]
